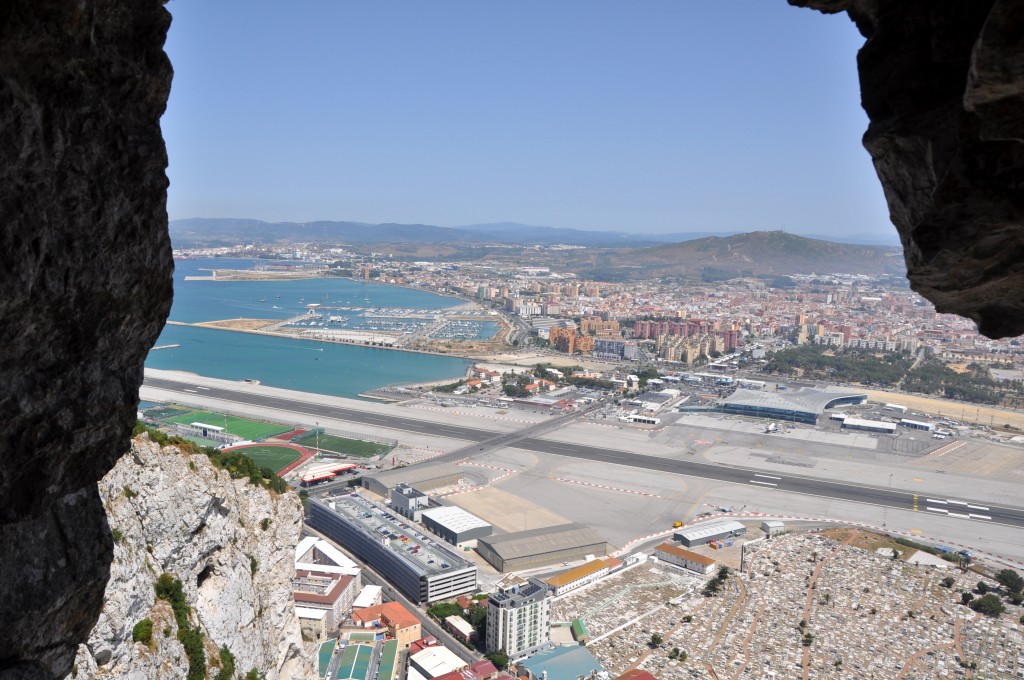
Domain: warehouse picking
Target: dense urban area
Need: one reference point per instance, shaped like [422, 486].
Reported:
[764, 476]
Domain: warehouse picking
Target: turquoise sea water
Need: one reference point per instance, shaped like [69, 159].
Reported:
[324, 368]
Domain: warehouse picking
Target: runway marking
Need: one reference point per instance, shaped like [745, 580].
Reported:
[935, 500]
[756, 474]
[202, 388]
[974, 516]
[188, 390]
[959, 502]
[961, 516]
[942, 510]
[754, 481]
[976, 507]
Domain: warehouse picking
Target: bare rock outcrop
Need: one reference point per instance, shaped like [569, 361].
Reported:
[232, 546]
[943, 86]
[85, 270]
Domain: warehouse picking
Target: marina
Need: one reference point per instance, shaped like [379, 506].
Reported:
[328, 336]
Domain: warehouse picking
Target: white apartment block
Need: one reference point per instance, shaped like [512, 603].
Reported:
[518, 616]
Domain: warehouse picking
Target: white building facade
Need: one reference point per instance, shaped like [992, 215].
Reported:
[518, 616]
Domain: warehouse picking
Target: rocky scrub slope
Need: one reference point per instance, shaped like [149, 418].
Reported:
[230, 543]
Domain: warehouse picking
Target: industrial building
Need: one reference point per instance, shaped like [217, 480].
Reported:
[773, 527]
[563, 663]
[455, 525]
[518, 616]
[409, 502]
[802, 405]
[851, 423]
[432, 662]
[540, 547]
[687, 559]
[424, 477]
[710, 531]
[916, 425]
[577, 577]
[418, 566]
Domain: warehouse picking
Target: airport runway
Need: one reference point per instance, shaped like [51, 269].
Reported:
[963, 509]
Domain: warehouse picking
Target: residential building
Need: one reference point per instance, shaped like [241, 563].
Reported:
[518, 616]
[401, 624]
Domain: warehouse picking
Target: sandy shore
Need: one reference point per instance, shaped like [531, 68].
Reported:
[239, 324]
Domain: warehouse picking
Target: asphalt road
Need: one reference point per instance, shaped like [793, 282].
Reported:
[958, 508]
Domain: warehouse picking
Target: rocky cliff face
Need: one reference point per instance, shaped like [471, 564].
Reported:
[943, 86]
[176, 513]
[85, 270]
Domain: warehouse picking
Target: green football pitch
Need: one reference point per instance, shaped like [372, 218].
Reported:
[242, 427]
[274, 457]
[349, 447]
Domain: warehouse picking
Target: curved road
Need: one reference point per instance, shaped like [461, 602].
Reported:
[961, 508]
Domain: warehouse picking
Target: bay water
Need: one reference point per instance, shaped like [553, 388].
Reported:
[305, 365]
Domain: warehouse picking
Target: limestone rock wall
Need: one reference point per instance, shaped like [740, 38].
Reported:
[85, 275]
[943, 86]
[178, 514]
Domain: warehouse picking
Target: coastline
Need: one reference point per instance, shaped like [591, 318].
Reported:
[288, 336]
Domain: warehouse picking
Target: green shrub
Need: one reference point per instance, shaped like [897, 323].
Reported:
[253, 565]
[143, 632]
[117, 534]
[129, 493]
[265, 523]
[989, 605]
[227, 664]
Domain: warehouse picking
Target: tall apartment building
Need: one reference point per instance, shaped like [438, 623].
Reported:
[598, 325]
[518, 616]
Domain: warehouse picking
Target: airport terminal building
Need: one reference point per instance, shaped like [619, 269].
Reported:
[420, 567]
[802, 405]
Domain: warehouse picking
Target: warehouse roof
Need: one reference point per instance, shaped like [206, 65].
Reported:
[455, 519]
[563, 663]
[803, 399]
[437, 661]
[696, 533]
[543, 540]
[862, 423]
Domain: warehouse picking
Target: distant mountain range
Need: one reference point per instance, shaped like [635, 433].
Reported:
[209, 232]
[767, 253]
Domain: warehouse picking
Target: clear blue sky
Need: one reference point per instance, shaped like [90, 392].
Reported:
[665, 115]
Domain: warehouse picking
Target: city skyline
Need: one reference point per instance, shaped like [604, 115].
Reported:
[666, 119]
